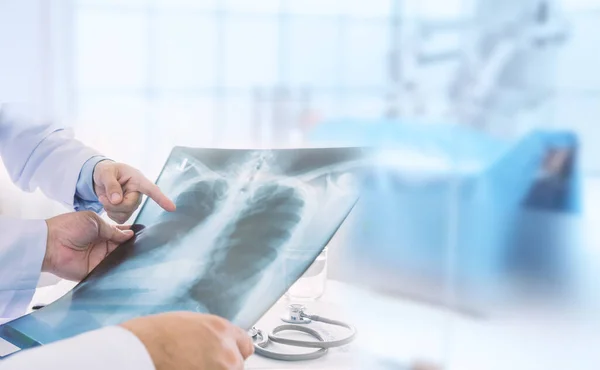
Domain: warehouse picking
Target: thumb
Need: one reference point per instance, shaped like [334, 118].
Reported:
[114, 192]
[112, 233]
[244, 343]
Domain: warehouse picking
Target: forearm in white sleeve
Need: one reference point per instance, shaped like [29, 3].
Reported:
[112, 348]
[22, 250]
[40, 155]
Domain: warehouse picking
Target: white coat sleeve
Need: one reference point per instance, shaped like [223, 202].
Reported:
[111, 348]
[41, 155]
[36, 155]
[22, 250]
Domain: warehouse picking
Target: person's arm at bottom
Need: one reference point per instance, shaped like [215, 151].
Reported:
[174, 340]
[111, 348]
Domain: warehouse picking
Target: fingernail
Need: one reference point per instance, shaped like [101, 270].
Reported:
[115, 197]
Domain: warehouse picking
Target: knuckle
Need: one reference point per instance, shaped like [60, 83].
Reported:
[91, 217]
[220, 365]
[231, 358]
[105, 169]
[228, 360]
[217, 323]
[116, 217]
[126, 209]
[133, 201]
[89, 214]
[249, 350]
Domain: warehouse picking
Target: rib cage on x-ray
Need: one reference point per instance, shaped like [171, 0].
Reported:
[245, 253]
[240, 215]
[239, 253]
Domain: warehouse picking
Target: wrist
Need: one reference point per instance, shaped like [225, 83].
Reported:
[85, 189]
[48, 262]
[102, 162]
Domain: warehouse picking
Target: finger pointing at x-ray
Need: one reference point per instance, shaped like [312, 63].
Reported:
[119, 188]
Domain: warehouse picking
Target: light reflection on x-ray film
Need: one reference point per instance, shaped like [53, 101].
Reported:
[242, 216]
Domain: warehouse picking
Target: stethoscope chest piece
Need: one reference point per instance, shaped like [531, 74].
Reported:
[295, 315]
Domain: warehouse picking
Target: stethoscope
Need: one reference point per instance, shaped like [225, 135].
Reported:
[295, 318]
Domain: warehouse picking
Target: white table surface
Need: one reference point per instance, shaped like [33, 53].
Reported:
[395, 332]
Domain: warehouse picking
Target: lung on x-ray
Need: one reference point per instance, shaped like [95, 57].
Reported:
[248, 224]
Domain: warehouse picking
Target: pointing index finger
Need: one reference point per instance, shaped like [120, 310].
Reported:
[153, 192]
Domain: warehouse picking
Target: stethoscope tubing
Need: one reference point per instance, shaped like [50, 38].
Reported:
[260, 347]
[262, 342]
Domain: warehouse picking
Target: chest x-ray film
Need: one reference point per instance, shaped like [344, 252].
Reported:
[248, 224]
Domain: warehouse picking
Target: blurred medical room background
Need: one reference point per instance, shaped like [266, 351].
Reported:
[486, 201]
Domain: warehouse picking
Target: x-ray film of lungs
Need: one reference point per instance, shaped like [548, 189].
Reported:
[248, 224]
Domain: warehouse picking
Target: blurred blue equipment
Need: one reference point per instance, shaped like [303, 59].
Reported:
[447, 197]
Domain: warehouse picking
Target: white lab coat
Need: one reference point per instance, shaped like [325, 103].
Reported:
[42, 156]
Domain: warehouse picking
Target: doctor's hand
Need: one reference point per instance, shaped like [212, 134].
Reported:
[78, 241]
[119, 188]
[192, 341]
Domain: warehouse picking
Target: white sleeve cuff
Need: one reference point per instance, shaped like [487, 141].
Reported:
[64, 158]
[108, 348]
[22, 251]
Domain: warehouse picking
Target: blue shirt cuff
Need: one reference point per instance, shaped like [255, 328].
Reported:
[85, 196]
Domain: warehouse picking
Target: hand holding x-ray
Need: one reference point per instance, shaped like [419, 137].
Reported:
[78, 241]
[171, 340]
